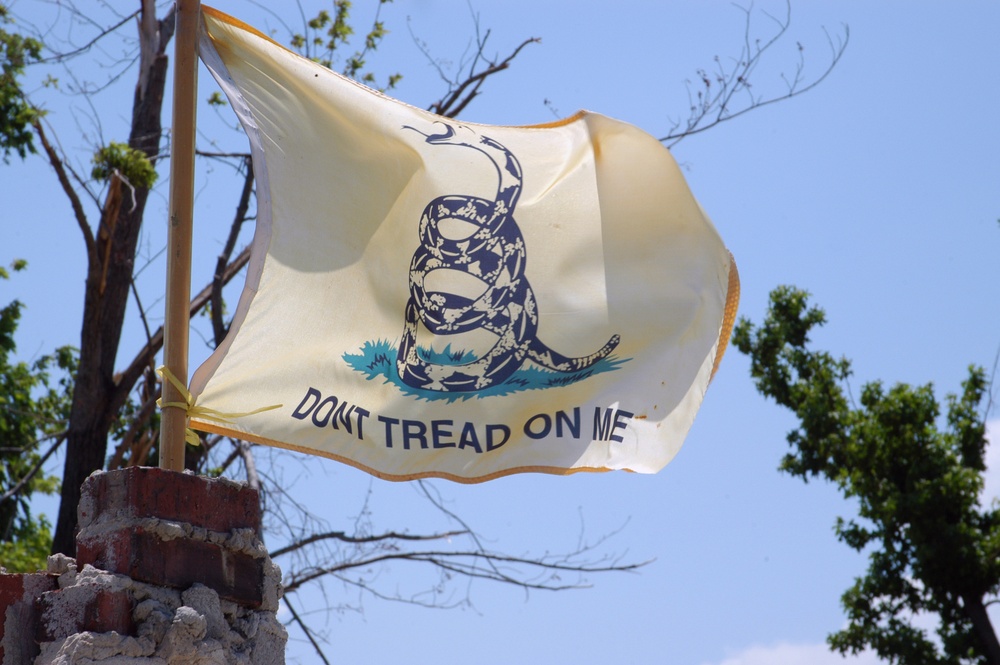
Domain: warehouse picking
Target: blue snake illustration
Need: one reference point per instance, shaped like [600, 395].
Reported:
[495, 254]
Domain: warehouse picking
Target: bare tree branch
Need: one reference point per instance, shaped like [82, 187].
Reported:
[435, 500]
[455, 561]
[249, 464]
[223, 155]
[127, 378]
[716, 98]
[305, 629]
[139, 424]
[463, 89]
[20, 485]
[219, 328]
[462, 93]
[345, 538]
[60, 57]
[234, 454]
[67, 187]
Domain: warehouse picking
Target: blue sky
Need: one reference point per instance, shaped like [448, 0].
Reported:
[877, 192]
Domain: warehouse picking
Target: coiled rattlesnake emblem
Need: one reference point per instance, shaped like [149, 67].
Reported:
[495, 254]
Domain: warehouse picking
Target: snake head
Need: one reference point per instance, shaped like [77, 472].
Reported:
[448, 135]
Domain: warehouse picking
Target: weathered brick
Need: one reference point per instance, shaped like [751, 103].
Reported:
[19, 616]
[139, 492]
[66, 612]
[177, 563]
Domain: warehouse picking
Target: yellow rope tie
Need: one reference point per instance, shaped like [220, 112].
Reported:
[203, 412]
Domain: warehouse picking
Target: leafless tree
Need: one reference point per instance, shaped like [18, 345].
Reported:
[728, 89]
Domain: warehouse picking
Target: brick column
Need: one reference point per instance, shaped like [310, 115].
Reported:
[173, 529]
[170, 567]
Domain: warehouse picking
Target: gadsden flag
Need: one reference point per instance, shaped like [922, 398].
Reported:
[428, 297]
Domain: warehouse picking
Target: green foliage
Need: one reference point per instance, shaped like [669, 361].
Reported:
[17, 266]
[33, 407]
[131, 164]
[916, 481]
[326, 33]
[29, 547]
[16, 114]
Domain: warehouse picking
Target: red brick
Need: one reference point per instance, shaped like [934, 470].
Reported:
[140, 492]
[110, 611]
[88, 609]
[17, 602]
[177, 563]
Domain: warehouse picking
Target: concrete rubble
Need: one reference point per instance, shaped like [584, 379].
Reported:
[171, 627]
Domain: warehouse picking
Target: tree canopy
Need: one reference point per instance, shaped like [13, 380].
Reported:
[33, 409]
[914, 468]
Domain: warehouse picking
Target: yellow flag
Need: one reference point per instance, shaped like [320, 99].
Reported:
[434, 298]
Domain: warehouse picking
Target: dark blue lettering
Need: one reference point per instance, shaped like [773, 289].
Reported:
[490, 429]
[336, 410]
[602, 424]
[469, 438]
[573, 425]
[389, 422]
[300, 411]
[619, 424]
[439, 433]
[361, 414]
[343, 414]
[414, 429]
[546, 426]
[321, 422]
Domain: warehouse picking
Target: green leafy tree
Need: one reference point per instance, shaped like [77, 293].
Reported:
[327, 34]
[33, 410]
[16, 115]
[916, 479]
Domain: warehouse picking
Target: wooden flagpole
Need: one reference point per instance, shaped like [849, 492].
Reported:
[175, 329]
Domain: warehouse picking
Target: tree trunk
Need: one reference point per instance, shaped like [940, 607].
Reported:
[96, 396]
[983, 628]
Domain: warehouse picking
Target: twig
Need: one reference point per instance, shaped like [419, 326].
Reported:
[127, 378]
[343, 537]
[717, 106]
[461, 93]
[59, 57]
[74, 200]
[16, 489]
[449, 561]
[305, 629]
